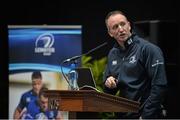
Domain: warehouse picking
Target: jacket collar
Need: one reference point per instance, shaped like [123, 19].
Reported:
[127, 43]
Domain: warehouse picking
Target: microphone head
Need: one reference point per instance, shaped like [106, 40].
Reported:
[71, 59]
[67, 60]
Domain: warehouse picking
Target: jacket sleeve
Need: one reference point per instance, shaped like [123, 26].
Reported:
[107, 73]
[155, 66]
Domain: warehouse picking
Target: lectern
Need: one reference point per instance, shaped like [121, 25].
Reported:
[89, 101]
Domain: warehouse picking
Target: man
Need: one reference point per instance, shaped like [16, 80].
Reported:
[135, 67]
[29, 95]
[38, 109]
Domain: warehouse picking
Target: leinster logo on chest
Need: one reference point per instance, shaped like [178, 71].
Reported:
[132, 59]
[28, 99]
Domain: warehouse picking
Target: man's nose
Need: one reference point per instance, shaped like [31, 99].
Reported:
[120, 27]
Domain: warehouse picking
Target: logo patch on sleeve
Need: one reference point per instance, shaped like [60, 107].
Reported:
[114, 62]
[157, 63]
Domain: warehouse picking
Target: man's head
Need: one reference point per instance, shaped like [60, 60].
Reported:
[43, 99]
[36, 82]
[118, 26]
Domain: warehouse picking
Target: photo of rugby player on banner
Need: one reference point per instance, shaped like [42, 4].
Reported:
[35, 54]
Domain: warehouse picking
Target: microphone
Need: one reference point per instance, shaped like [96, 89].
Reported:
[78, 56]
[72, 59]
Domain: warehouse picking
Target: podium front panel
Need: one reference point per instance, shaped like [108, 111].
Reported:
[89, 101]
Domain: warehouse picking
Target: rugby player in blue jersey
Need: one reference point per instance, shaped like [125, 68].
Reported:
[38, 109]
[30, 95]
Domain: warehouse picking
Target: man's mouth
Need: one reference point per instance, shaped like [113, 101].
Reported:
[122, 34]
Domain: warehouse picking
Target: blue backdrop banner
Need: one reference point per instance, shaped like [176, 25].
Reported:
[42, 47]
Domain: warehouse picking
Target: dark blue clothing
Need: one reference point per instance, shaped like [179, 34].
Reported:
[140, 71]
[26, 98]
[34, 112]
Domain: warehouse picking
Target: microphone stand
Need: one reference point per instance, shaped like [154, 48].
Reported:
[74, 62]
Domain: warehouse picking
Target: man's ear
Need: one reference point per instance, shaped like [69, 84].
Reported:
[129, 25]
[110, 34]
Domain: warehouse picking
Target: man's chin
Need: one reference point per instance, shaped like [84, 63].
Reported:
[122, 40]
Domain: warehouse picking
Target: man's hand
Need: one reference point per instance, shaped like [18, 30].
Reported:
[111, 82]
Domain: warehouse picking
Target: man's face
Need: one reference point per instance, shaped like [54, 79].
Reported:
[119, 27]
[43, 103]
[36, 85]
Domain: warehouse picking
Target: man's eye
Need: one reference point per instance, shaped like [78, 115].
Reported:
[122, 24]
[115, 27]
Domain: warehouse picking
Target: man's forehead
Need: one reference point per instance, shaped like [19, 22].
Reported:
[42, 97]
[36, 80]
[117, 17]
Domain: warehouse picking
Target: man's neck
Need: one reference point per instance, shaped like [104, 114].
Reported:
[122, 44]
[35, 93]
